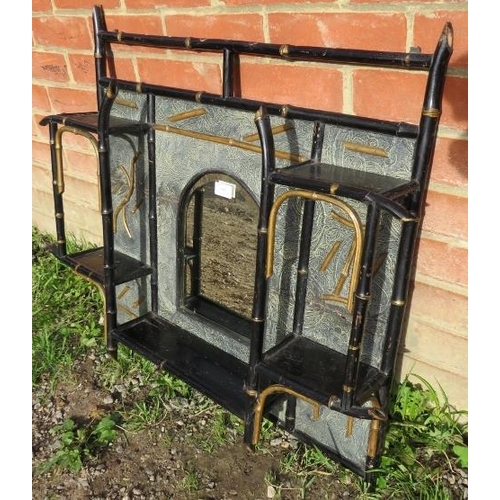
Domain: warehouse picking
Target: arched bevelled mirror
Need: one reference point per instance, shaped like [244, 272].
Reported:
[218, 238]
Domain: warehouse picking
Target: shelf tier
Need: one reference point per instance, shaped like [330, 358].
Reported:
[90, 263]
[89, 122]
[314, 371]
[344, 182]
[205, 367]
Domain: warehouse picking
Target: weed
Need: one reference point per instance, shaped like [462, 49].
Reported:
[145, 414]
[79, 444]
[425, 437]
[167, 386]
[222, 428]
[273, 481]
[191, 481]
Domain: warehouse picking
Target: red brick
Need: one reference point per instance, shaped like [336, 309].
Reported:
[39, 98]
[84, 224]
[456, 103]
[190, 75]
[41, 5]
[454, 385]
[72, 100]
[232, 26]
[437, 347]
[41, 180]
[39, 131]
[389, 94]
[295, 85]
[451, 160]
[86, 4]
[378, 2]
[82, 67]
[40, 152]
[443, 261]
[428, 27]
[49, 66]
[83, 193]
[374, 31]
[255, 2]
[446, 215]
[440, 307]
[122, 66]
[146, 4]
[134, 23]
[81, 165]
[66, 32]
[399, 96]
[76, 142]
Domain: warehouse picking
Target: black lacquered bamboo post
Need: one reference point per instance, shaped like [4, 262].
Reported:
[198, 196]
[100, 46]
[303, 264]
[424, 151]
[153, 228]
[263, 124]
[229, 73]
[361, 302]
[107, 218]
[305, 239]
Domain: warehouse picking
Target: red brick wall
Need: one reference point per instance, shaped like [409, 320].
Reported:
[63, 80]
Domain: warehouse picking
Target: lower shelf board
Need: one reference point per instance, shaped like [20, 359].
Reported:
[202, 365]
[90, 263]
[311, 369]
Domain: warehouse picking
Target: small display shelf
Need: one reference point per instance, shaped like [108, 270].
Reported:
[312, 369]
[90, 263]
[89, 122]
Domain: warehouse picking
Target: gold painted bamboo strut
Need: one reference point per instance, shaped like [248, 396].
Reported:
[126, 102]
[261, 400]
[362, 148]
[128, 195]
[59, 156]
[278, 129]
[187, 114]
[373, 437]
[310, 195]
[226, 141]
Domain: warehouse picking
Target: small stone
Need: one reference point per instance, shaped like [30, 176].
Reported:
[271, 491]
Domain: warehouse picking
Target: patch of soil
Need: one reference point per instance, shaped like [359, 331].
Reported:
[178, 458]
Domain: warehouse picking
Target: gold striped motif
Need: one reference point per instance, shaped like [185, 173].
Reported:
[188, 114]
[431, 112]
[362, 148]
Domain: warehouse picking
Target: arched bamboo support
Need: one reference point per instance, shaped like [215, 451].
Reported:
[353, 218]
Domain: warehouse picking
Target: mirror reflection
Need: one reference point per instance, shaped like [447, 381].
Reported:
[220, 245]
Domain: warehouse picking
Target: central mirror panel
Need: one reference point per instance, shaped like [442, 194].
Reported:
[218, 235]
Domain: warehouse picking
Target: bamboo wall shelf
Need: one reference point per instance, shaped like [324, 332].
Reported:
[328, 209]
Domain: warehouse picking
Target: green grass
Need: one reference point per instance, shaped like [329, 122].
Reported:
[65, 313]
[426, 437]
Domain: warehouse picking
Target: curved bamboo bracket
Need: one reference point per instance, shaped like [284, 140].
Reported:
[261, 399]
[353, 221]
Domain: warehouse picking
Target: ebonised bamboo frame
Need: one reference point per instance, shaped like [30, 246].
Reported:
[403, 200]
